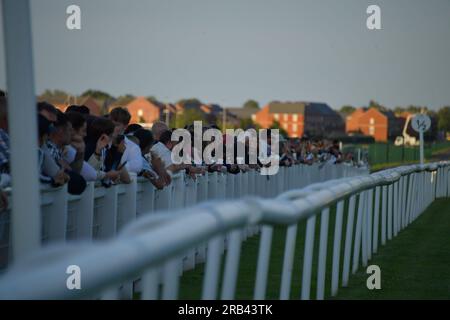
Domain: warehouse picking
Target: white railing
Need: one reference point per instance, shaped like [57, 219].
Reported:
[100, 213]
[378, 207]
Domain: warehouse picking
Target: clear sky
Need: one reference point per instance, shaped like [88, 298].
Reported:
[229, 51]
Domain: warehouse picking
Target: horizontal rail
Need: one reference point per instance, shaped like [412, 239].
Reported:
[147, 244]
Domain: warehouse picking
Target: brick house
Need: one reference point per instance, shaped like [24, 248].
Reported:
[301, 118]
[144, 111]
[382, 125]
[62, 103]
[352, 120]
[95, 108]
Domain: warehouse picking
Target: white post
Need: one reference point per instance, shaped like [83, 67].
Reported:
[322, 253]
[358, 232]
[262, 268]
[288, 262]
[376, 220]
[231, 266]
[26, 217]
[212, 269]
[421, 147]
[337, 247]
[348, 240]
[308, 257]
[384, 198]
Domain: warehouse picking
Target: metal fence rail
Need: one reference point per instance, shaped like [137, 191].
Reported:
[378, 207]
[100, 213]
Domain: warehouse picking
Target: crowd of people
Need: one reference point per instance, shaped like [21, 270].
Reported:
[76, 147]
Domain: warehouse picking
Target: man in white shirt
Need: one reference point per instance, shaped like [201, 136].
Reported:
[131, 157]
[163, 150]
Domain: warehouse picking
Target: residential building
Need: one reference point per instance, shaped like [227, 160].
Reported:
[380, 124]
[301, 118]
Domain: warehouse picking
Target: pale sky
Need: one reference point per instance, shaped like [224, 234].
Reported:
[229, 51]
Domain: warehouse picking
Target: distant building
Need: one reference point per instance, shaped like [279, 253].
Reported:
[144, 111]
[301, 118]
[244, 113]
[382, 125]
[62, 103]
[352, 120]
[95, 107]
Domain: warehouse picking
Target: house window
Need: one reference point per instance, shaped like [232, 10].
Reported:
[140, 113]
[295, 118]
[285, 126]
[254, 117]
[285, 117]
[371, 130]
[276, 116]
[372, 121]
[294, 127]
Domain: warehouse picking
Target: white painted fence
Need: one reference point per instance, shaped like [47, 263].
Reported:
[378, 207]
[100, 213]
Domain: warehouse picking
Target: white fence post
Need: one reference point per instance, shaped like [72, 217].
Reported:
[376, 220]
[105, 215]
[308, 257]
[322, 253]
[348, 240]
[337, 247]
[55, 215]
[84, 211]
[263, 263]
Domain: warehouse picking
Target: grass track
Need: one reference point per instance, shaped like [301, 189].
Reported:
[414, 265]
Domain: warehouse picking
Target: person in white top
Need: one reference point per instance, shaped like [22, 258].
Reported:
[132, 155]
[163, 150]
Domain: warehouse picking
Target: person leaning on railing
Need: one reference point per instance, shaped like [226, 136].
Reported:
[163, 150]
[157, 129]
[144, 138]
[58, 139]
[74, 152]
[129, 153]
[49, 172]
[99, 136]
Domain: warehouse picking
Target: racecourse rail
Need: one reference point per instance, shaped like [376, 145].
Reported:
[153, 251]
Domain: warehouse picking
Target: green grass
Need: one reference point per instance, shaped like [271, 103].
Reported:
[384, 166]
[414, 265]
[191, 282]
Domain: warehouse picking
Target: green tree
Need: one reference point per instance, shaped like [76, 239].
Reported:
[416, 109]
[54, 94]
[376, 105]
[247, 123]
[444, 119]
[97, 94]
[398, 110]
[276, 125]
[251, 104]
[187, 117]
[347, 109]
[125, 99]
[191, 101]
